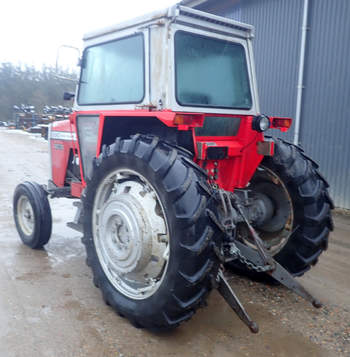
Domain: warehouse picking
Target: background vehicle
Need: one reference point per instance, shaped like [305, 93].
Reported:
[165, 149]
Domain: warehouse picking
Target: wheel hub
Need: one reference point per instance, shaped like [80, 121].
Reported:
[127, 232]
[130, 233]
[25, 215]
[275, 226]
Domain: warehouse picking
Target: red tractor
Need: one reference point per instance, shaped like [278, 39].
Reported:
[166, 152]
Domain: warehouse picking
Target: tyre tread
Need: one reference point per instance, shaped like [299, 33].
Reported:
[312, 207]
[309, 190]
[193, 281]
[42, 211]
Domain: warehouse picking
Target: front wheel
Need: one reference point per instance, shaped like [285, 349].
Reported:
[32, 214]
[147, 234]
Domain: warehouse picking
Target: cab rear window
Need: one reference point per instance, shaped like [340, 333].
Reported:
[210, 72]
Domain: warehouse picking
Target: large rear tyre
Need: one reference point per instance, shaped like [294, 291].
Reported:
[297, 233]
[147, 234]
[32, 214]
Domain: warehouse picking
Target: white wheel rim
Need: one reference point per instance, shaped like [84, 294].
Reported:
[25, 215]
[130, 233]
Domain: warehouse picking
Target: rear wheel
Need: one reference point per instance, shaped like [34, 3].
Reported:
[297, 233]
[32, 214]
[147, 234]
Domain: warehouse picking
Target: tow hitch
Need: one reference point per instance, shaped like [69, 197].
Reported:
[234, 210]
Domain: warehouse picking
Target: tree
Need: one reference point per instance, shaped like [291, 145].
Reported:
[30, 86]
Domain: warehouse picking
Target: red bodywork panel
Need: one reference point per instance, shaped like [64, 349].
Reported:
[166, 117]
[62, 142]
[236, 170]
[233, 171]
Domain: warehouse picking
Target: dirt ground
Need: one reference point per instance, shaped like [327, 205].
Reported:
[50, 307]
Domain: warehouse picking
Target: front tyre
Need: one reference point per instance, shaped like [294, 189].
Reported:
[147, 234]
[32, 214]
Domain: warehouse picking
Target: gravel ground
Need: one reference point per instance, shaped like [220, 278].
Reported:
[328, 327]
[49, 306]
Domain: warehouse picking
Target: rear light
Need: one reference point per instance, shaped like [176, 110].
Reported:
[191, 120]
[281, 123]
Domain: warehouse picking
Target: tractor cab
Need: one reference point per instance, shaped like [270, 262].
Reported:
[181, 74]
[179, 59]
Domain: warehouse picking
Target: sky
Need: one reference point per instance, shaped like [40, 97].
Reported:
[31, 31]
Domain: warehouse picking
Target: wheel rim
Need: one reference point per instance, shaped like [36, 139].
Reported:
[25, 215]
[130, 233]
[274, 236]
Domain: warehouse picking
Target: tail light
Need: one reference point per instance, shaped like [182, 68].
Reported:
[190, 120]
[282, 124]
